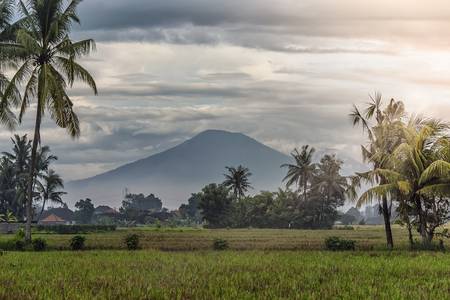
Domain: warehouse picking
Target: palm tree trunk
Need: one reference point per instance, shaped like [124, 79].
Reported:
[36, 140]
[42, 211]
[387, 223]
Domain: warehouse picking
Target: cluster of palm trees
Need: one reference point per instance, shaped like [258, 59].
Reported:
[318, 181]
[37, 50]
[14, 172]
[410, 166]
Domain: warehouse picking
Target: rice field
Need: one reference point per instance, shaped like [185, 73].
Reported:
[224, 275]
[191, 239]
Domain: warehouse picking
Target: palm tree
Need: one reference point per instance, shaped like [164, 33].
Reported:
[237, 180]
[419, 171]
[50, 189]
[329, 184]
[383, 137]
[302, 172]
[46, 59]
[20, 158]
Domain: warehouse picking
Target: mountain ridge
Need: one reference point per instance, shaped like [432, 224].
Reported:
[177, 172]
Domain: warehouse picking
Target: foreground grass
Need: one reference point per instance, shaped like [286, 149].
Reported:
[189, 239]
[224, 275]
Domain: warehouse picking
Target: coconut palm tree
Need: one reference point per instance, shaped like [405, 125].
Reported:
[47, 66]
[50, 188]
[419, 172]
[383, 137]
[20, 159]
[329, 184]
[237, 180]
[302, 172]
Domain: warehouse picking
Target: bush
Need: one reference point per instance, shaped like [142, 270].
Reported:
[19, 245]
[39, 244]
[75, 229]
[335, 243]
[77, 242]
[132, 241]
[220, 244]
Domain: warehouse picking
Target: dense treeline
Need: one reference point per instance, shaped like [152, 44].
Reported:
[14, 172]
[320, 190]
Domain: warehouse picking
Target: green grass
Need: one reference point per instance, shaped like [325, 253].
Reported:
[224, 275]
[190, 239]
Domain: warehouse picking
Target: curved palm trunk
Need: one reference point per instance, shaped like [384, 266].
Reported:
[36, 139]
[387, 223]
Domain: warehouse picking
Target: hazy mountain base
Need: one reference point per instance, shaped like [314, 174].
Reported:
[174, 174]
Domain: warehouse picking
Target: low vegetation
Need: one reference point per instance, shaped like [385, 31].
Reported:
[224, 275]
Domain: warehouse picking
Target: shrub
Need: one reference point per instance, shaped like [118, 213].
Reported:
[335, 243]
[132, 241]
[19, 244]
[75, 229]
[39, 244]
[77, 242]
[345, 227]
[220, 244]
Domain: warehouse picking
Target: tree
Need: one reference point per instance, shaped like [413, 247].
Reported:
[216, 204]
[237, 180]
[302, 171]
[46, 59]
[85, 211]
[329, 188]
[383, 138]
[50, 189]
[20, 159]
[137, 207]
[418, 173]
[190, 211]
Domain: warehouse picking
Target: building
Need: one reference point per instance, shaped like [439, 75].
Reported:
[63, 216]
[52, 220]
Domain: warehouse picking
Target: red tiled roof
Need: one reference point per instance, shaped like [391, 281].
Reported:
[52, 218]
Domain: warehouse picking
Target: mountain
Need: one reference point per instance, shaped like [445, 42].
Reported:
[174, 174]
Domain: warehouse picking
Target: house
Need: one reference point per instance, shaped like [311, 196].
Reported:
[52, 220]
[63, 214]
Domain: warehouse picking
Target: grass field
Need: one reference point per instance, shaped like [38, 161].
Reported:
[190, 239]
[276, 264]
[224, 275]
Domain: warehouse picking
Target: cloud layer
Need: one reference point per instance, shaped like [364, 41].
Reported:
[284, 72]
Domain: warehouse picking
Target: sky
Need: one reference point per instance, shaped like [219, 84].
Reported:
[284, 72]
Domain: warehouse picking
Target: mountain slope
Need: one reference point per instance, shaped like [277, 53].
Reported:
[176, 173]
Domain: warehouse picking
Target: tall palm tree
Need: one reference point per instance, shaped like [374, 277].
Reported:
[50, 189]
[237, 180]
[383, 137]
[419, 171]
[302, 172]
[47, 66]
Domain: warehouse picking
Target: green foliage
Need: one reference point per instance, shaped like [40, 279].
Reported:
[39, 244]
[237, 180]
[132, 242]
[335, 243]
[216, 205]
[75, 229]
[85, 211]
[19, 245]
[77, 242]
[220, 244]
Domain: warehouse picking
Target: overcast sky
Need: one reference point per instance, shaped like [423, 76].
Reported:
[285, 72]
